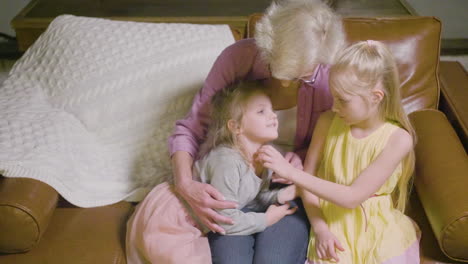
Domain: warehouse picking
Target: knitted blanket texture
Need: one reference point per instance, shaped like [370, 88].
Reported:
[89, 107]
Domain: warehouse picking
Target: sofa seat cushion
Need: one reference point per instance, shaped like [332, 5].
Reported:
[79, 235]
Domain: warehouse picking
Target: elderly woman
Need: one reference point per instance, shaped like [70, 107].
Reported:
[295, 42]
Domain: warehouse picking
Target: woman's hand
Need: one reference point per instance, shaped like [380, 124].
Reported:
[295, 161]
[204, 199]
[326, 244]
[272, 159]
[275, 212]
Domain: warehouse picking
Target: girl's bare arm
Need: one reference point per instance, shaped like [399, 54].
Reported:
[369, 181]
[311, 164]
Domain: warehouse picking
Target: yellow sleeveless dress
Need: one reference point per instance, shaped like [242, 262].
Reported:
[374, 232]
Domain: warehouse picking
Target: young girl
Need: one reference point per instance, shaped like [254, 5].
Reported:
[362, 154]
[164, 230]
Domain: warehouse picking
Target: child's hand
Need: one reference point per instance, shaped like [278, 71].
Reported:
[272, 159]
[325, 244]
[287, 194]
[275, 212]
[295, 161]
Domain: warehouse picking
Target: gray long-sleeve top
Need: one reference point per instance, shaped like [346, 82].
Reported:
[226, 170]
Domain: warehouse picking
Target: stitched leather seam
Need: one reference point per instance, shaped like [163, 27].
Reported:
[25, 210]
[444, 238]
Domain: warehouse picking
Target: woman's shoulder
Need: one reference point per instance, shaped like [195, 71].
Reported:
[243, 46]
[240, 60]
[248, 43]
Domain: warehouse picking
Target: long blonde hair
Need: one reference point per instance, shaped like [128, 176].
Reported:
[363, 66]
[294, 36]
[229, 104]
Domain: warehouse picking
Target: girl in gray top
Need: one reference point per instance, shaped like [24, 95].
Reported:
[164, 230]
[242, 121]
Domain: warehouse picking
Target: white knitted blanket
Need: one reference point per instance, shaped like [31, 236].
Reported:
[89, 107]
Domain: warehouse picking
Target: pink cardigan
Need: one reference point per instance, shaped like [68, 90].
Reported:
[240, 61]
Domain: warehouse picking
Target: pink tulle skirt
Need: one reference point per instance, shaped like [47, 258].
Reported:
[162, 231]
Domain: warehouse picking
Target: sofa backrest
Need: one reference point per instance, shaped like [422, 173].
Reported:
[415, 43]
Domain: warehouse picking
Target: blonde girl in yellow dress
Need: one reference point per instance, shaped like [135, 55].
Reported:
[362, 155]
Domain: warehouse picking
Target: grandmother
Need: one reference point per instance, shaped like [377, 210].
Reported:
[295, 43]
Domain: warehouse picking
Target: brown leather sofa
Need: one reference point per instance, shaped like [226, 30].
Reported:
[37, 226]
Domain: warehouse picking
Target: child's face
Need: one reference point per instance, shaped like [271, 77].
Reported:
[352, 108]
[259, 122]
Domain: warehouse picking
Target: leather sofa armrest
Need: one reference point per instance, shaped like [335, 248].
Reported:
[454, 95]
[441, 181]
[26, 207]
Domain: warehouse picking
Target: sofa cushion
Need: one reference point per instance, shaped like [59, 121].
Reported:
[81, 236]
[26, 206]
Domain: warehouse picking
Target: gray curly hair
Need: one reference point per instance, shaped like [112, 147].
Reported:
[294, 36]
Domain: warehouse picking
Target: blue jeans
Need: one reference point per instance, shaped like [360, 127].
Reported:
[282, 243]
